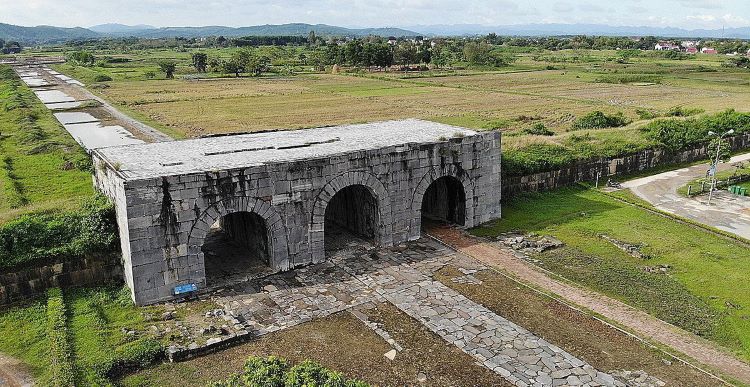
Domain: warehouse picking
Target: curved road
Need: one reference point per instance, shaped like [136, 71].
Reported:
[727, 212]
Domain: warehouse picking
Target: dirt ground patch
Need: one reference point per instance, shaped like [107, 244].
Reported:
[343, 343]
[589, 339]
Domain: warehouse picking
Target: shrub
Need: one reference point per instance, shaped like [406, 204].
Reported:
[598, 120]
[646, 114]
[679, 111]
[149, 75]
[60, 371]
[538, 129]
[46, 236]
[275, 372]
[102, 78]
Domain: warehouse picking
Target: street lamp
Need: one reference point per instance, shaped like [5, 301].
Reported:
[715, 162]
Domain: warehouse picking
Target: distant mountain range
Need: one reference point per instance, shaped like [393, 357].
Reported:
[49, 34]
[578, 29]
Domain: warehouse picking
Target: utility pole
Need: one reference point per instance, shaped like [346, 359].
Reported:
[715, 162]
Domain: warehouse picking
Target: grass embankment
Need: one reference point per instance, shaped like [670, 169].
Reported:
[703, 289]
[41, 166]
[77, 337]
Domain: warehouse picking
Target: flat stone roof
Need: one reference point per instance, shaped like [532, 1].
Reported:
[145, 161]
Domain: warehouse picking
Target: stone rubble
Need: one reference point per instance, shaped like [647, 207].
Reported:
[529, 243]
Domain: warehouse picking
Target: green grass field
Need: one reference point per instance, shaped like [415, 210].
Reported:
[703, 290]
[95, 319]
[43, 168]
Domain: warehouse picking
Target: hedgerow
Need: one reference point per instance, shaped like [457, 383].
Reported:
[61, 370]
[276, 372]
[42, 237]
[675, 134]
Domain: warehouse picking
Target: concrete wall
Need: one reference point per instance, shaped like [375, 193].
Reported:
[24, 283]
[609, 166]
[164, 221]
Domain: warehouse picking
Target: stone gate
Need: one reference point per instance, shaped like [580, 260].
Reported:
[278, 195]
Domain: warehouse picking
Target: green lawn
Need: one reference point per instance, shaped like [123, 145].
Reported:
[43, 168]
[705, 289]
[95, 321]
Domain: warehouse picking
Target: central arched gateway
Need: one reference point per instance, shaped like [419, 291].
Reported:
[351, 213]
[355, 201]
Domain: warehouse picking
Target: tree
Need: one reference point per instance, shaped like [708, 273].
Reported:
[83, 58]
[200, 60]
[405, 54]
[258, 64]
[237, 63]
[312, 40]
[168, 67]
[477, 53]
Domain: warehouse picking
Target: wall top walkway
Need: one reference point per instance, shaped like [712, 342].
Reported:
[135, 162]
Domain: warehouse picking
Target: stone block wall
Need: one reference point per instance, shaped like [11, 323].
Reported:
[164, 221]
[23, 283]
[610, 166]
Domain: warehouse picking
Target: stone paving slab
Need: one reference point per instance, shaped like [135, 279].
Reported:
[403, 276]
[92, 135]
[75, 118]
[63, 105]
[53, 96]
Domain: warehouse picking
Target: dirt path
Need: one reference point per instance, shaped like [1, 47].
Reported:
[641, 323]
[13, 373]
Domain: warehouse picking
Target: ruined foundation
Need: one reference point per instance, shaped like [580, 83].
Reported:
[274, 193]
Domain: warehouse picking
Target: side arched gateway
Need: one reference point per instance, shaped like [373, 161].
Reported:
[356, 201]
[236, 238]
[444, 193]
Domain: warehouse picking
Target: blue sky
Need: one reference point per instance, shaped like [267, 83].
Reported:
[688, 14]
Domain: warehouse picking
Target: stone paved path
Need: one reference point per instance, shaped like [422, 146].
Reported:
[404, 278]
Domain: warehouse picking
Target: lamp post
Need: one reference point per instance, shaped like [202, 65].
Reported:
[715, 162]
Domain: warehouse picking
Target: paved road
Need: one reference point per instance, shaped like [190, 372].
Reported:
[727, 212]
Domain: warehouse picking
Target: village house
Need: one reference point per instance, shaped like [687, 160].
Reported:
[691, 50]
[666, 46]
[708, 50]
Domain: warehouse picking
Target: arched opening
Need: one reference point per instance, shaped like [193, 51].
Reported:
[444, 201]
[351, 216]
[237, 248]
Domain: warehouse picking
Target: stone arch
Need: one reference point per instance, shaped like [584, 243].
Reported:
[278, 243]
[336, 184]
[429, 177]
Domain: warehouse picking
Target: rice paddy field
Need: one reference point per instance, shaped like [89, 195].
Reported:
[551, 88]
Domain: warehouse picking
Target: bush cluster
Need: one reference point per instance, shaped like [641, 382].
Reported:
[60, 371]
[42, 237]
[102, 78]
[538, 129]
[676, 134]
[599, 120]
[276, 372]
